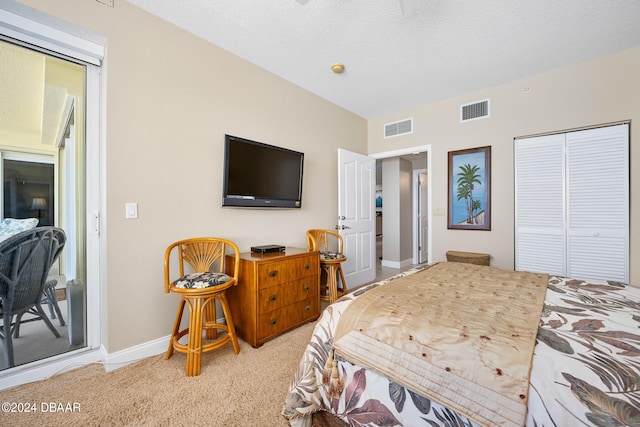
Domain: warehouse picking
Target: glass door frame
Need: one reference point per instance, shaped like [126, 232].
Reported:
[22, 25]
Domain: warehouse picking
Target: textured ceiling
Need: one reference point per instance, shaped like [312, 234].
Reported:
[32, 109]
[395, 61]
[22, 90]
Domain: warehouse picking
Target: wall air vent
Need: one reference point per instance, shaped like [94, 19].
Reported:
[402, 127]
[475, 111]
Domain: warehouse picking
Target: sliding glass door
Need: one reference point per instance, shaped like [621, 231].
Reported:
[42, 153]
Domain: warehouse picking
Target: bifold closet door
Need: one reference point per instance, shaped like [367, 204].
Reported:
[572, 203]
[598, 203]
[539, 202]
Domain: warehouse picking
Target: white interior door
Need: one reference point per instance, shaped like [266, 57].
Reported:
[356, 216]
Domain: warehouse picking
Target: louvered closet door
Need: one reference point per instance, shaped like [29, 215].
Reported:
[540, 209]
[598, 203]
[572, 204]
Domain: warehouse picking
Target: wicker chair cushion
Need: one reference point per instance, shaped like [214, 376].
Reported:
[324, 256]
[11, 226]
[201, 280]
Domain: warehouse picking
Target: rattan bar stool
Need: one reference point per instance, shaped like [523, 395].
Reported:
[199, 290]
[330, 245]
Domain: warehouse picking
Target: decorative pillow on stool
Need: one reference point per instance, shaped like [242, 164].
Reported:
[201, 280]
[330, 255]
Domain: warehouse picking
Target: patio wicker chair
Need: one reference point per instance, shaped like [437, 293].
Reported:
[25, 261]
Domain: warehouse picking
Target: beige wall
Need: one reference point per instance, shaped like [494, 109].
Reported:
[391, 211]
[406, 211]
[600, 91]
[170, 98]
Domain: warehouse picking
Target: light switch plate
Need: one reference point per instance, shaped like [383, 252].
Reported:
[131, 210]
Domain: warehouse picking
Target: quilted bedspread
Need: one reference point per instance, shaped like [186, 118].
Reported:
[460, 334]
[585, 369]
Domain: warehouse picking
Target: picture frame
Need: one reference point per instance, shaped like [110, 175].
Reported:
[469, 186]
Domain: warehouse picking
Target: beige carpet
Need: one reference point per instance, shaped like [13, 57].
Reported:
[243, 390]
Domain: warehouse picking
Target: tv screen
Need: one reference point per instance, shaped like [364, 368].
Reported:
[261, 175]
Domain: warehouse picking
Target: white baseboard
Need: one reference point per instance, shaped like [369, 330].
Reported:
[133, 354]
[396, 264]
[119, 359]
[44, 369]
[47, 368]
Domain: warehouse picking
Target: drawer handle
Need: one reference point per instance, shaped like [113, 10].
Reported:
[307, 266]
[273, 322]
[307, 308]
[273, 273]
[273, 297]
[307, 287]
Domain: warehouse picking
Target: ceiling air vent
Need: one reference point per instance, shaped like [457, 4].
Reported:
[402, 127]
[474, 111]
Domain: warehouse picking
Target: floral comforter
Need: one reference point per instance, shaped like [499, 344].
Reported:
[586, 367]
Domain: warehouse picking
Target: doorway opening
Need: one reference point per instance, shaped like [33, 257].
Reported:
[403, 208]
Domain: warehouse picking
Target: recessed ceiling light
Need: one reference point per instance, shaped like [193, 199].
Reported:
[337, 68]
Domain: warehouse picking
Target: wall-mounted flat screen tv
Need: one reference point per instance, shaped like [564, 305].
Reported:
[261, 175]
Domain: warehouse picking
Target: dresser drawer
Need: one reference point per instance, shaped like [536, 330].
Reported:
[278, 296]
[273, 273]
[287, 317]
[305, 267]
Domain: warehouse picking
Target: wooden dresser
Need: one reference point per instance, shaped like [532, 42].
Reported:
[275, 293]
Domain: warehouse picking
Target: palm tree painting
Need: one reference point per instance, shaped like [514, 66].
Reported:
[469, 189]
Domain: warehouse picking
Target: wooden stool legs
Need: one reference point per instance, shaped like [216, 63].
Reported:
[332, 282]
[342, 280]
[231, 330]
[332, 272]
[201, 316]
[194, 346]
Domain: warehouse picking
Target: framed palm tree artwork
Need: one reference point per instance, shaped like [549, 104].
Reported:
[470, 189]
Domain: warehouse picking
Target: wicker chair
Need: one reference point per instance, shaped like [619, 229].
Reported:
[51, 299]
[200, 289]
[330, 245]
[25, 261]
